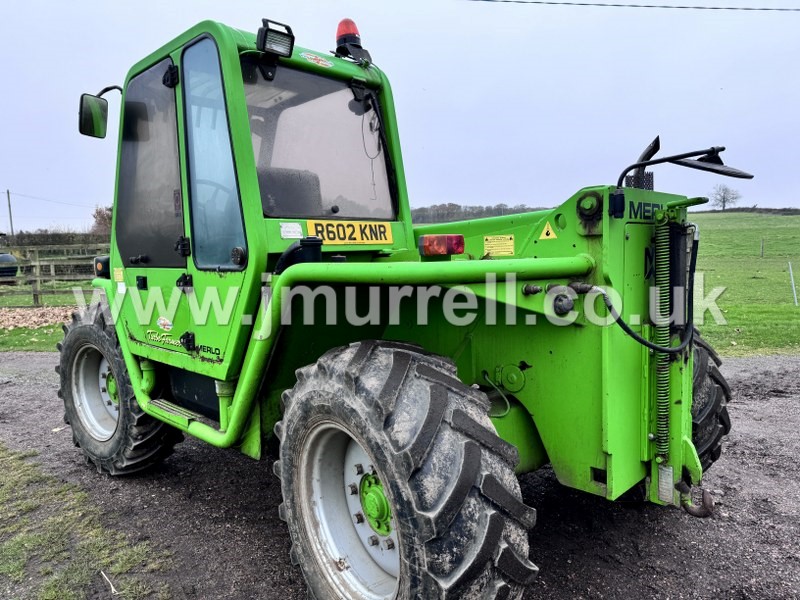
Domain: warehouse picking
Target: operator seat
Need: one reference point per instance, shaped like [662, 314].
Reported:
[289, 192]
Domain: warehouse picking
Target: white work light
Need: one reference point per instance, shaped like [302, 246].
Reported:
[275, 38]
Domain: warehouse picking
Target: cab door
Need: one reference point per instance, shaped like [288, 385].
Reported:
[149, 215]
[218, 246]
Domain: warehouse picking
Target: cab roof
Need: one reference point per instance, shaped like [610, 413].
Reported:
[231, 41]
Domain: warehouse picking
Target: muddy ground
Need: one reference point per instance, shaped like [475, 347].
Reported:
[216, 510]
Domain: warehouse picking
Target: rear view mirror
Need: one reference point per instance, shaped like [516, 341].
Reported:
[93, 116]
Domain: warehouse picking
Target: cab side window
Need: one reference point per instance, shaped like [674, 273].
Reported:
[216, 213]
[149, 213]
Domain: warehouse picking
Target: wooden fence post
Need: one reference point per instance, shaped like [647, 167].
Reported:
[37, 272]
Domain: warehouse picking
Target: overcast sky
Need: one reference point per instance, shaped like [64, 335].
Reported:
[496, 102]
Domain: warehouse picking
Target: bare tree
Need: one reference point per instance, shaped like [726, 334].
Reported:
[724, 197]
[102, 220]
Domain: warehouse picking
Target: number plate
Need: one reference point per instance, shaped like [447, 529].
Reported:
[351, 232]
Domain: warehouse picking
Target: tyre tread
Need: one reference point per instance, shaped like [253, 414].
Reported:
[421, 444]
[452, 503]
[710, 418]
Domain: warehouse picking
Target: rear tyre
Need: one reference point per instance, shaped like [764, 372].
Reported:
[107, 424]
[711, 394]
[395, 483]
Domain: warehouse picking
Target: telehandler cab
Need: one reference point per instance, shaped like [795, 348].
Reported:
[266, 289]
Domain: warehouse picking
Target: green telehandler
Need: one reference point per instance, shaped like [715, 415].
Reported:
[267, 291]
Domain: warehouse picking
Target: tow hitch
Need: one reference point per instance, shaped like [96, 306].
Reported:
[705, 509]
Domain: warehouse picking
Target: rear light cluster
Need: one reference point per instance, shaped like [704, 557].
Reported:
[441, 245]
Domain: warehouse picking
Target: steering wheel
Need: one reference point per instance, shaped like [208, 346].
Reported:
[218, 188]
[217, 217]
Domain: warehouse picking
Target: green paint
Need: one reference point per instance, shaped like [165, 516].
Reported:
[588, 204]
[111, 387]
[581, 397]
[518, 428]
[375, 504]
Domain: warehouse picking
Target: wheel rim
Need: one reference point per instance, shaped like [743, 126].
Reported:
[347, 515]
[95, 392]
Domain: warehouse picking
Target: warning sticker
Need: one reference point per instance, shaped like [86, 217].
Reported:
[291, 231]
[118, 275]
[498, 245]
[548, 233]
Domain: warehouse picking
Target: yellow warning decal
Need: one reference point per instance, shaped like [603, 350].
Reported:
[498, 245]
[548, 233]
[118, 275]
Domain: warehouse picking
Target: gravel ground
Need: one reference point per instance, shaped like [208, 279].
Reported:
[216, 510]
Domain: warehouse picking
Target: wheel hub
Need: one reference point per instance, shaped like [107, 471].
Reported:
[370, 509]
[111, 387]
[376, 505]
[96, 392]
[348, 513]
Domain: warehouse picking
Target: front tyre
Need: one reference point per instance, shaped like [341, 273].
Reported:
[395, 483]
[107, 423]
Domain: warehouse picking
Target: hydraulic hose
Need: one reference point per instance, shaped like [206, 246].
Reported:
[689, 327]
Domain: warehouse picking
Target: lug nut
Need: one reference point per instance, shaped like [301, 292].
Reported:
[373, 540]
[102, 389]
[390, 544]
[353, 489]
[359, 517]
[359, 469]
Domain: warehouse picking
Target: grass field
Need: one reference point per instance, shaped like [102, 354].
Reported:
[65, 296]
[36, 339]
[757, 303]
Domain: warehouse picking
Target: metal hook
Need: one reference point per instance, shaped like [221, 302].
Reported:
[706, 509]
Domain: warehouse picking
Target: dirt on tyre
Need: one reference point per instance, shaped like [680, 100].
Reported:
[107, 423]
[395, 484]
[711, 395]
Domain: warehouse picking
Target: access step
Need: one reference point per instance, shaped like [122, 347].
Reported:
[172, 413]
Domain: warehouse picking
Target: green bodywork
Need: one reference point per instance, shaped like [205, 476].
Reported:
[580, 397]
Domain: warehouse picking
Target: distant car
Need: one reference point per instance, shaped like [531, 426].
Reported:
[8, 266]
